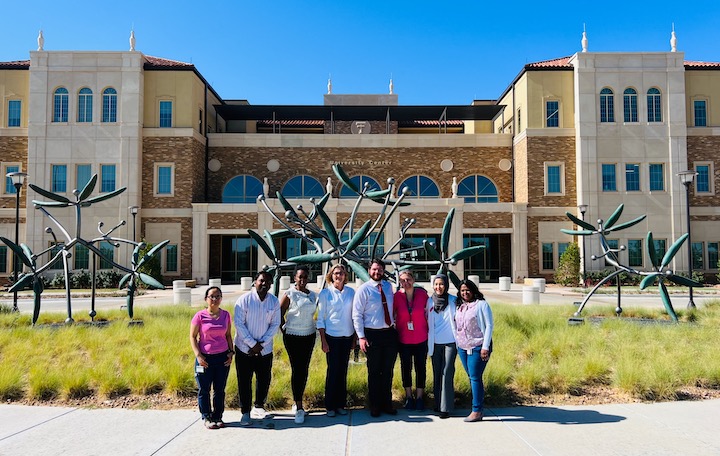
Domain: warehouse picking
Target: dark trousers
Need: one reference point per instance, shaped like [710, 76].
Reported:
[413, 354]
[246, 366]
[380, 365]
[215, 378]
[443, 362]
[337, 369]
[299, 350]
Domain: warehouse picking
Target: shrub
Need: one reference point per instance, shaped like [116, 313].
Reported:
[153, 267]
[80, 279]
[568, 271]
[58, 281]
[109, 278]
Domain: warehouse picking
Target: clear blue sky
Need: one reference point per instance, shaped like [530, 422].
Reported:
[282, 51]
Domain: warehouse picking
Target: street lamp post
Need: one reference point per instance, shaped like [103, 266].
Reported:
[687, 177]
[582, 208]
[134, 211]
[17, 178]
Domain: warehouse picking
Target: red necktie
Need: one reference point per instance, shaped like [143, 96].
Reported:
[385, 306]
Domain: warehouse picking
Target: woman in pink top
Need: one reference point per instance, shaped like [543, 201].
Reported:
[412, 327]
[212, 343]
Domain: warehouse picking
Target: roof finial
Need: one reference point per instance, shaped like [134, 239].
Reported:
[673, 39]
[584, 40]
[41, 41]
[132, 39]
[329, 84]
[391, 84]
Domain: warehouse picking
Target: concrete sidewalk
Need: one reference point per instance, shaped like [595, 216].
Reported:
[676, 428]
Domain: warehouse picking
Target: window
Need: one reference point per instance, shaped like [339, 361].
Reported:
[632, 177]
[660, 247]
[164, 179]
[654, 105]
[420, 187]
[703, 183]
[171, 258]
[238, 258]
[554, 180]
[108, 255]
[422, 273]
[552, 113]
[165, 114]
[359, 182]
[635, 252]
[630, 105]
[82, 257]
[712, 252]
[700, 110]
[519, 120]
[60, 105]
[58, 263]
[13, 113]
[3, 259]
[59, 178]
[613, 244]
[84, 105]
[107, 178]
[607, 105]
[303, 187]
[657, 177]
[485, 264]
[83, 173]
[293, 246]
[609, 179]
[9, 187]
[548, 256]
[109, 107]
[697, 255]
[477, 189]
[242, 189]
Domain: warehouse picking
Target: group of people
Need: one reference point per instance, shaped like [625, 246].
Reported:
[383, 323]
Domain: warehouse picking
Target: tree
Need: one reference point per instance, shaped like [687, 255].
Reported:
[568, 271]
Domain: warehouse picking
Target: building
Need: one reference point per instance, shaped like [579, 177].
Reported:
[594, 129]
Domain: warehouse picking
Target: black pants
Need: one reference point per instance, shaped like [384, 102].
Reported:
[380, 365]
[413, 354]
[299, 350]
[337, 369]
[246, 366]
[215, 377]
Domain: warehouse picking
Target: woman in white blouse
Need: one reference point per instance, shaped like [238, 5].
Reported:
[337, 335]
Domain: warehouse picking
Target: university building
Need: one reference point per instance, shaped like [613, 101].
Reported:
[595, 129]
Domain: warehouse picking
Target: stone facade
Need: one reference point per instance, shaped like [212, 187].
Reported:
[232, 221]
[487, 219]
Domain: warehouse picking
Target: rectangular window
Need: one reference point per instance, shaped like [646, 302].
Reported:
[548, 256]
[163, 179]
[553, 178]
[609, 180]
[635, 252]
[519, 119]
[3, 259]
[59, 178]
[108, 255]
[660, 248]
[712, 252]
[562, 247]
[657, 177]
[9, 187]
[82, 257]
[165, 114]
[84, 114]
[613, 245]
[552, 113]
[700, 109]
[83, 173]
[632, 177]
[107, 178]
[697, 255]
[58, 263]
[171, 258]
[14, 112]
[702, 180]
[607, 106]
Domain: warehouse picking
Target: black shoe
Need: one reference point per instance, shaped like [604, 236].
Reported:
[419, 404]
[410, 403]
[374, 412]
[390, 410]
[444, 415]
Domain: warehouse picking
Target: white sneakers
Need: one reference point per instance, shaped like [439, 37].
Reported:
[258, 413]
[300, 416]
[245, 420]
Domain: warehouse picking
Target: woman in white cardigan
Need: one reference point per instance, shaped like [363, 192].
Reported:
[441, 344]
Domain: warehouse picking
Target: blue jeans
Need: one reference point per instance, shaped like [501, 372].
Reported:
[474, 366]
[215, 377]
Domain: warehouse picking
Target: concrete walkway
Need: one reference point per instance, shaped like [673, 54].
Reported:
[676, 428]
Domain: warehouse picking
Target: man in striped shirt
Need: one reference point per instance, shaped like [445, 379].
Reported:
[256, 319]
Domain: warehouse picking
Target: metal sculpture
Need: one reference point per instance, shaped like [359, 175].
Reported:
[82, 200]
[660, 273]
[345, 242]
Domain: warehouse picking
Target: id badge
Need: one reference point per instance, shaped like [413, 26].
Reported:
[199, 369]
[411, 326]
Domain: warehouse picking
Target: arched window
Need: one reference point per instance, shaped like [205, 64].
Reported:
[359, 182]
[303, 187]
[477, 189]
[607, 105]
[109, 107]
[654, 105]
[630, 105]
[85, 98]
[60, 105]
[420, 187]
[242, 189]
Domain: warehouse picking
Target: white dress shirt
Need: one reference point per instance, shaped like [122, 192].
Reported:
[368, 307]
[256, 321]
[335, 311]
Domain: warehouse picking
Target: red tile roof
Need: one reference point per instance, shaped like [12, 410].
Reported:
[431, 123]
[15, 65]
[562, 62]
[157, 62]
[291, 123]
[697, 64]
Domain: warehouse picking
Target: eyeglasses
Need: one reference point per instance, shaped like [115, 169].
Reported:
[215, 297]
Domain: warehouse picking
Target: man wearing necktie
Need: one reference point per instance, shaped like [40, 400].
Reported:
[372, 318]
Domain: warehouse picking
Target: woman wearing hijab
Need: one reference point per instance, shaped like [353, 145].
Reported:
[441, 344]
